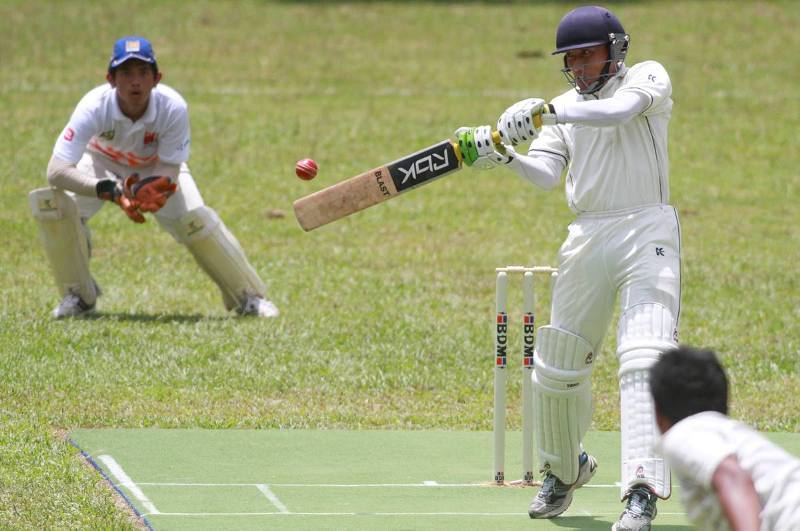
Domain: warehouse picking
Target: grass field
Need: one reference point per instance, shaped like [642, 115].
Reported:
[385, 315]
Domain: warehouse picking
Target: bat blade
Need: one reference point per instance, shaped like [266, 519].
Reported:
[377, 185]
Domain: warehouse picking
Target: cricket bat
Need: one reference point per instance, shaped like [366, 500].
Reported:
[379, 184]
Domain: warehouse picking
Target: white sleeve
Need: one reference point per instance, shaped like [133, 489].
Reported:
[173, 144]
[618, 109]
[543, 171]
[652, 80]
[694, 449]
[72, 142]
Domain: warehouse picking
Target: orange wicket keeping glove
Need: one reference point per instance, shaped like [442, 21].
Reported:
[149, 194]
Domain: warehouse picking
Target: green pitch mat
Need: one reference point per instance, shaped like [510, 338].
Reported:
[318, 479]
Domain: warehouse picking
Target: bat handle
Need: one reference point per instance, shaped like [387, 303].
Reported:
[496, 138]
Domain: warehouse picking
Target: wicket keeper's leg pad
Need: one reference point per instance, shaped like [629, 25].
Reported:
[65, 240]
[219, 254]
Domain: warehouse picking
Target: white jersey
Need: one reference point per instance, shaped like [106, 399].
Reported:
[98, 125]
[620, 166]
[694, 448]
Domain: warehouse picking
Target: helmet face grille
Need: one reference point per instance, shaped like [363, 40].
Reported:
[595, 85]
[589, 26]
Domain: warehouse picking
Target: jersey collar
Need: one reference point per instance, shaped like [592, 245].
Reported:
[148, 116]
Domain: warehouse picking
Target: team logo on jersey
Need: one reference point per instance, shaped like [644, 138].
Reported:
[640, 472]
[589, 358]
[107, 135]
[150, 137]
[69, 134]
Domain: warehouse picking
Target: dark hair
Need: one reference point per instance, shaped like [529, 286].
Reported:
[685, 381]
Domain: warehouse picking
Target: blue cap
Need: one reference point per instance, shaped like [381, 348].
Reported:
[132, 48]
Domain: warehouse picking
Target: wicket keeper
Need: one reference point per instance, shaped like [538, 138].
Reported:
[127, 143]
[608, 133]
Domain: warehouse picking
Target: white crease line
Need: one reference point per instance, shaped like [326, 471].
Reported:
[273, 498]
[427, 483]
[412, 514]
[124, 480]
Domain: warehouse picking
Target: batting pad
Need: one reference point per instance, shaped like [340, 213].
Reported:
[219, 254]
[645, 331]
[562, 399]
[65, 242]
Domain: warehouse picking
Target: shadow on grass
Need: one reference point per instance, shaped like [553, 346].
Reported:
[154, 318]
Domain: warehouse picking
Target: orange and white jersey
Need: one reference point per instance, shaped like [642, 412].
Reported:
[98, 125]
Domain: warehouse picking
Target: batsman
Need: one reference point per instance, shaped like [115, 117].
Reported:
[609, 134]
[127, 143]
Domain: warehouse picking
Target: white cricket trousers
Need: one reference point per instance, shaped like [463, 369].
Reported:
[634, 253]
[186, 198]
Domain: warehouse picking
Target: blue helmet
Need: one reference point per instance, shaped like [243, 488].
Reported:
[589, 26]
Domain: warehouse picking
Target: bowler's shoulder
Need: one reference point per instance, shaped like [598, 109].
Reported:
[706, 421]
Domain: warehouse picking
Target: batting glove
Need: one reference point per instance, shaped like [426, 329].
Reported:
[522, 121]
[478, 148]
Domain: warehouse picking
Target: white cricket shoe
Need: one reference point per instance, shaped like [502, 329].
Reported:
[555, 496]
[71, 306]
[258, 307]
[639, 512]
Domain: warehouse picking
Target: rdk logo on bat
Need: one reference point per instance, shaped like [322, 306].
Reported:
[423, 166]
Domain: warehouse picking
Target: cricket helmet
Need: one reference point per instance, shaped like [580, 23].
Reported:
[589, 26]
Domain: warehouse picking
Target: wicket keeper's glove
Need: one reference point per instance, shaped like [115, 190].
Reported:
[150, 193]
[111, 190]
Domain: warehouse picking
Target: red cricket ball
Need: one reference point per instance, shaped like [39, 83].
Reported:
[306, 169]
